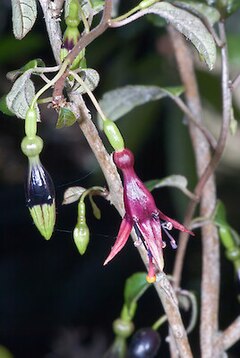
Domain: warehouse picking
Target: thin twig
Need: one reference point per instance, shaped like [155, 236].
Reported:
[235, 83]
[210, 275]
[228, 338]
[83, 42]
[205, 131]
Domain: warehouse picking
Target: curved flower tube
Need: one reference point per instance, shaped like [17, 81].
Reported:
[142, 214]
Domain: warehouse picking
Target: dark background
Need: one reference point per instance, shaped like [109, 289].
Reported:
[53, 302]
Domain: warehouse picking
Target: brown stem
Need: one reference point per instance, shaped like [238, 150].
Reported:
[163, 287]
[210, 273]
[228, 338]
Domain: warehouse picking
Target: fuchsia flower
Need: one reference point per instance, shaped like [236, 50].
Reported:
[142, 215]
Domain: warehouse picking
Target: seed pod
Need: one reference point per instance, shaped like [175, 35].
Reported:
[40, 197]
[81, 232]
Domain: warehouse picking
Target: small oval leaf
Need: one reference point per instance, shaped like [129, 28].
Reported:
[72, 194]
[21, 95]
[118, 102]
[31, 65]
[66, 118]
[24, 14]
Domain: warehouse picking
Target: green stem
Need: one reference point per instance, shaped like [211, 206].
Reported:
[90, 94]
[84, 20]
[50, 83]
[93, 188]
[159, 322]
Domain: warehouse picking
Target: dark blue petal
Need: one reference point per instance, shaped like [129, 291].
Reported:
[39, 188]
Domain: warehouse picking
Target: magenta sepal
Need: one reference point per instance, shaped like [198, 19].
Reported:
[142, 215]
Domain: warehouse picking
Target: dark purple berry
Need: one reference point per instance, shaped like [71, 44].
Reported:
[145, 343]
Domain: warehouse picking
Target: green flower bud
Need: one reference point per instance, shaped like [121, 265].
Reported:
[31, 123]
[32, 147]
[81, 232]
[73, 18]
[123, 328]
[40, 197]
[113, 134]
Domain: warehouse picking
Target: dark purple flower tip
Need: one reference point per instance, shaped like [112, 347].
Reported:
[40, 197]
[39, 187]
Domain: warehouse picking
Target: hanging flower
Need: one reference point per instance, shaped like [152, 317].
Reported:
[142, 214]
[40, 197]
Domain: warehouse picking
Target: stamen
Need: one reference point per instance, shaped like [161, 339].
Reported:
[172, 241]
[137, 242]
[139, 236]
[167, 225]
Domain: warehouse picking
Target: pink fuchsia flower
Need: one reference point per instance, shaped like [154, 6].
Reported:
[142, 214]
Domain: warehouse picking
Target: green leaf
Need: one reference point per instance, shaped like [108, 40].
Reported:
[24, 14]
[21, 95]
[66, 118]
[190, 26]
[208, 12]
[135, 287]
[118, 102]
[4, 108]
[72, 194]
[31, 65]
[176, 181]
